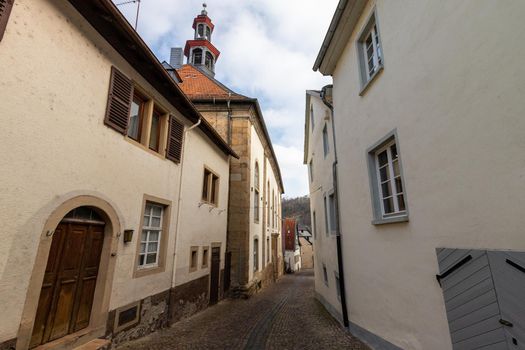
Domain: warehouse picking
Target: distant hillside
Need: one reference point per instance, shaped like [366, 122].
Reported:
[298, 208]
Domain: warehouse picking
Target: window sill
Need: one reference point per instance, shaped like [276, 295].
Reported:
[393, 220]
[147, 149]
[366, 85]
[146, 271]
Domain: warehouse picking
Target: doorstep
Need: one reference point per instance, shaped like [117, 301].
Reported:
[95, 344]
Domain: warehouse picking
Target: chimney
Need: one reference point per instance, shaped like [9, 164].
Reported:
[176, 57]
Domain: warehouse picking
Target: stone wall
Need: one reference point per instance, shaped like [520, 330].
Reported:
[189, 298]
[8, 345]
[153, 316]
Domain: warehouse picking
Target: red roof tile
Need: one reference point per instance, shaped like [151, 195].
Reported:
[198, 85]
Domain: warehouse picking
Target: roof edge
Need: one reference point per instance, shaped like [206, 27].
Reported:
[111, 24]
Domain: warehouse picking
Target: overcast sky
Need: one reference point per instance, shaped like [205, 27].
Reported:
[268, 48]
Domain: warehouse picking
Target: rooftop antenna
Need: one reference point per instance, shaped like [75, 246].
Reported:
[138, 9]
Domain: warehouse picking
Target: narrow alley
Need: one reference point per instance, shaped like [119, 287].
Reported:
[283, 316]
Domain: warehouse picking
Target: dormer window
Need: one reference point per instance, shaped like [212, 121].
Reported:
[197, 56]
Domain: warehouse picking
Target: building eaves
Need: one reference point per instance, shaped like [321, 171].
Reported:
[109, 22]
[341, 27]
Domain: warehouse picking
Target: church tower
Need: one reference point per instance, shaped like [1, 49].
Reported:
[200, 52]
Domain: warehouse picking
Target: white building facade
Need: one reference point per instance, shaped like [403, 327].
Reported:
[429, 132]
[319, 157]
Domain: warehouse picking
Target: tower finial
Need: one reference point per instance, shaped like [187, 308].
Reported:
[204, 12]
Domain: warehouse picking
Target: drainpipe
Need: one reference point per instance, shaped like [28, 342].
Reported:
[186, 131]
[337, 213]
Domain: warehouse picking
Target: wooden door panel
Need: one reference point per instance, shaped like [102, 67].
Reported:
[64, 308]
[44, 303]
[46, 294]
[88, 277]
[69, 283]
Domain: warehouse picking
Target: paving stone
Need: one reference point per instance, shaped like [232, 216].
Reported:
[284, 315]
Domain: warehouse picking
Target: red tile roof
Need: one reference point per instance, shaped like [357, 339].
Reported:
[197, 85]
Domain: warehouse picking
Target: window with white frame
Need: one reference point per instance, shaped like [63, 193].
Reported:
[326, 147]
[370, 51]
[389, 200]
[390, 181]
[151, 235]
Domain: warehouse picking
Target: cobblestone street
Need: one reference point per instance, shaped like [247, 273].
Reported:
[283, 316]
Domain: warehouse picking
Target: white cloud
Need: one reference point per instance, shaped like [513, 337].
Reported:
[268, 48]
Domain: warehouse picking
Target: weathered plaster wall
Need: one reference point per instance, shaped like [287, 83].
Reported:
[201, 223]
[57, 69]
[456, 100]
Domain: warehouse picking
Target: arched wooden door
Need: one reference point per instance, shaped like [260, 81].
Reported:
[70, 278]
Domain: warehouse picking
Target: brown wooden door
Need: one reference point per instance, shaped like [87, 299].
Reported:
[274, 258]
[214, 274]
[69, 282]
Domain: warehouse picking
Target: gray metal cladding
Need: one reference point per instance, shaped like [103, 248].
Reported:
[480, 288]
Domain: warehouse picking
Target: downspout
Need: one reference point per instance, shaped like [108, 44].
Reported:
[186, 131]
[337, 213]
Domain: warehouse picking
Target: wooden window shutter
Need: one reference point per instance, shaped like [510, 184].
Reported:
[5, 11]
[119, 101]
[176, 131]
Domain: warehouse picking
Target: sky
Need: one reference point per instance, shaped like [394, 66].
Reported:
[268, 48]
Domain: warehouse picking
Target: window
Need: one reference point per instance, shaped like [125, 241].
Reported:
[154, 137]
[209, 60]
[205, 257]
[194, 256]
[255, 255]
[311, 170]
[273, 208]
[256, 193]
[332, 213]
[151, 235]
[325, 141]
[136, 117]
[326, 216]
[210, 187]
[256, 206]
[132, 113]
[312, 116]
[268, 204]
[197, 56]
[208, 33]
[325, 275]
[386, 180]
[370, 51]
[200, 30]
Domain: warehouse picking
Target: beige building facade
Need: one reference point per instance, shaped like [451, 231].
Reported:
[254, 249]
[429, 131]
[254, 231]
[101, 180]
